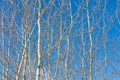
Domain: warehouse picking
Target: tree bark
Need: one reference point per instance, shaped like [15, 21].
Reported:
[105, 57]
[39, 41]
[90, 37]
[4, 67]
[83, 54]
[66, 61]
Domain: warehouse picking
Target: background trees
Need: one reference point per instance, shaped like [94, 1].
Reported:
[59, 39]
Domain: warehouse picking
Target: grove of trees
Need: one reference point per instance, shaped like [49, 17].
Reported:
[59, 39]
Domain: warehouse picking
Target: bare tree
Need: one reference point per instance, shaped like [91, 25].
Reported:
[58, 39]
[39, 41]
[90, 37]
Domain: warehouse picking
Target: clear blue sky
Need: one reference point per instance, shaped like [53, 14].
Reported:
[113, 35]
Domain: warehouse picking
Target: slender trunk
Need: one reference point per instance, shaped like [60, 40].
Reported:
[105, 62]
[25, 38]
[57, 63]
[25, 57]
[105, 57]
[29, 58]
[68, 44]
[90, 37]
[49, 46]
[66, 61]
[39, 40]
[49, 68]
[3, 47]
[24, 69]
[8, 58]
[19, 68]
[83, 54]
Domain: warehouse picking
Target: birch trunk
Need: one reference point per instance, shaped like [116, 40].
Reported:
[105, 57]
[49, 46]
[3, 47]
[25, 57]
[39, 40]
[90, 37]
[30, 71]
[7, 75]
[83, 54]
[66, 61]
[68, 43]
[49, 68]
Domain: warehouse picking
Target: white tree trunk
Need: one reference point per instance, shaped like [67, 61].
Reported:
[68, 43]
[39, 40]
[29, 59]
[90, 37]
[83, 54]
[3, 46]
[66, 61]
[25, 57]
[105, 57]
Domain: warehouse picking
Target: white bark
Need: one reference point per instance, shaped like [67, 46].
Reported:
[30, 71]
[49, 46]
[3, 46]
[68, 43]
[83, 54]
[66, 61]
[105, 57]
[90, 37]
[25, 57]
[39, 40]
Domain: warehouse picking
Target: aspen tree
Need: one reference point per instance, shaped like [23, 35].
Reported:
[39, 41]
[105, 57]
[49, 33]
[3, 52]
[91, 44]
[83, 53]
[68, 43]
[25, 39]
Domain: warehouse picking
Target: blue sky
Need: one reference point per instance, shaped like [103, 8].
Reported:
[95, 7]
